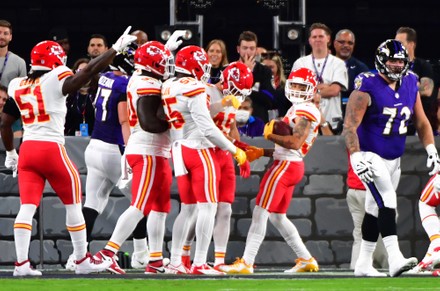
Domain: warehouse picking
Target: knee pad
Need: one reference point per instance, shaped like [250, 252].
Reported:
[370, 228]
[387, 221]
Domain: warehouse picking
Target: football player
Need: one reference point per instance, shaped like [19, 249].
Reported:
[41, 99]
[109, 137]
[287, 170]
[237, 83]
[429, 200]
[375, 129]
[147, 153]
[195, 137]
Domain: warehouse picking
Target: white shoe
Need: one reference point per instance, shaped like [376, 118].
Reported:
[70, 265]
[237, 267]
[178, 270]
[139, 260]
[397, 268]
[368, 272]
[421, 268]
[303, 265]
[25, 269]
[89, 264]
[435, 258]
[205, 270]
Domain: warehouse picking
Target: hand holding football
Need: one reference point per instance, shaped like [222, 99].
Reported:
[281, 128]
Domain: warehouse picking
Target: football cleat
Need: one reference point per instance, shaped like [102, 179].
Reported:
[89, 264]
[435, 258]
[303, 265]
[369, 271]
[177, 270]
[25, 269]
[70, 264]
[114, 266]
[186, 261]
[397, 268]
[421, 268]
[205, 270]
[238, 267]
[155, 267]
[139, 260]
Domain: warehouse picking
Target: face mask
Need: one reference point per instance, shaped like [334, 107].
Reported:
[242, 116]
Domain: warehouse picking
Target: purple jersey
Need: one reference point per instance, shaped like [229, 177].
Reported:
[112, 90]
[384, 126]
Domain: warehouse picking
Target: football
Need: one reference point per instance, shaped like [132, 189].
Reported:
[281, 128]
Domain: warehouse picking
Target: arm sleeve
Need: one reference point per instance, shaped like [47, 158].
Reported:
[199, 112]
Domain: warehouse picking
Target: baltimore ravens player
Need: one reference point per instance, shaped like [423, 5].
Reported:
[287, 170]
[41, 99]
[375, 130]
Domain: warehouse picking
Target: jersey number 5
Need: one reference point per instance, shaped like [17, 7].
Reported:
[30, 101]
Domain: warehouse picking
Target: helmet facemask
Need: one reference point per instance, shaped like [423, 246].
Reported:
[299, 91]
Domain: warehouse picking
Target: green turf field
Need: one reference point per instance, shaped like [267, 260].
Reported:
[388, 284]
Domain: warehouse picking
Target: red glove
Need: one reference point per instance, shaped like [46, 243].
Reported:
[245, 170]
[240, 144]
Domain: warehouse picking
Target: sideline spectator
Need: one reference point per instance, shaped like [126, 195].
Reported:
[248, 124]
[344, 45]
[425, 76]
[262, 91]
[11, 65]
[330, 72]
[218, 58]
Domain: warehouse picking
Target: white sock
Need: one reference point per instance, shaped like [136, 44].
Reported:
[290, 234]
[76, 226]
[431, 224]
[23, 231]
[392, 246]
[221, 231]
[256, 234]
[365, 259]
[181, 226]
[140, 244]
[124, 227]
[156, 233]
[204, 229]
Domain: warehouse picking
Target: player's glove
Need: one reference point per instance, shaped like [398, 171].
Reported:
[433, 159]
[230, 100]
[240, 144]
[11, 161]
[253, 153]
[123, 41]
[362, 168]
[245, 169]
[172, 43]
[240, 156]
[268, 128]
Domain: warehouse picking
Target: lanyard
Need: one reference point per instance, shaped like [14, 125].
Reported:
[4, 64]
[319, 74]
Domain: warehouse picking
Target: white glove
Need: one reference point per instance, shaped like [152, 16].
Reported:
[123, 41]
[362, 168]
[172, 43]
[433, 159]
[124, 183]
[11, 161]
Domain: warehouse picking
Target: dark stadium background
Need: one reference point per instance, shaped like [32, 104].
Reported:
[372, 21]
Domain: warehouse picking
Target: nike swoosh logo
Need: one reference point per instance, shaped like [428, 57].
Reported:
[158, 269]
